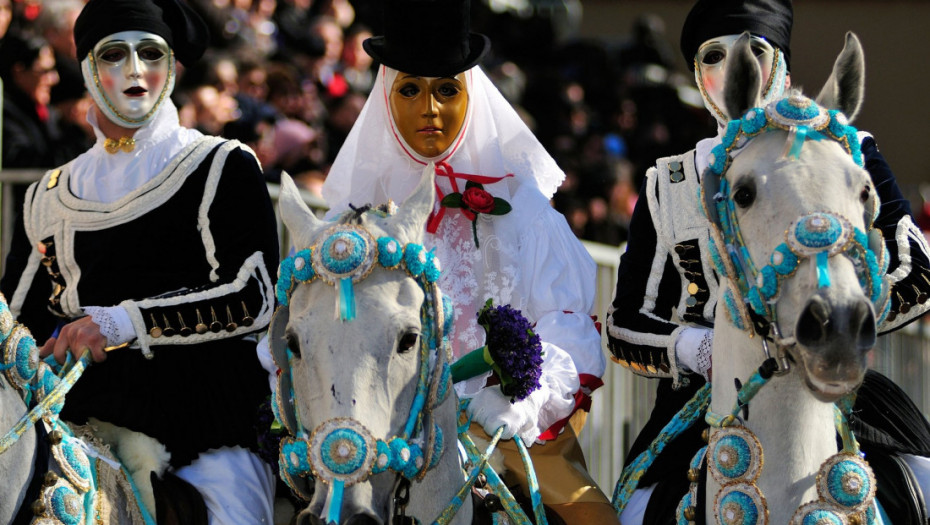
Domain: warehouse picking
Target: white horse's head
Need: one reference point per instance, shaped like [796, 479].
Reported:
[792, 208]
[360, 373]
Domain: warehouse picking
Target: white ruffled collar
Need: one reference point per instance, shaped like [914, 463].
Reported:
[104, 177]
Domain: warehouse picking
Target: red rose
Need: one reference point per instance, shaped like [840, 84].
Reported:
[478, 200]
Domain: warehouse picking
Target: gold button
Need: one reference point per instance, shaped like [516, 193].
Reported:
[693, 288]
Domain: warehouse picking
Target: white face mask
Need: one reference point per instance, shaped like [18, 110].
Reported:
[129, 73]
[710, 67]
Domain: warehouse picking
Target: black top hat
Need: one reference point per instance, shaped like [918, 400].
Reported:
[770, 19]
[428, 37]
[181, 27]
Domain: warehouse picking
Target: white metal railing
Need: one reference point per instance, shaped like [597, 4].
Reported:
[621, 407]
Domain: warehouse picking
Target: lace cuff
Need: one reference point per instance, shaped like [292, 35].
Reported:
[693, 350]
[114, 323]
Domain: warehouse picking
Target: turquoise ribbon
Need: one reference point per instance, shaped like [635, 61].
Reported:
[800, 134]
[334, 502]
[346, 299]
[823, 273]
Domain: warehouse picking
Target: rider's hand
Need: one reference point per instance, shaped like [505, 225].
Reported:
[77, 336]
[492, 409]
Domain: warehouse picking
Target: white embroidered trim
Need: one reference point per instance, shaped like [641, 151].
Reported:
[114, 323]
[209, 192]
[675, 372]
[253, 267]
[60, 214]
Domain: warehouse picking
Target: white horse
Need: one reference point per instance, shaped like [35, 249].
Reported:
[358, 378]
[792, 209]
[53, 472]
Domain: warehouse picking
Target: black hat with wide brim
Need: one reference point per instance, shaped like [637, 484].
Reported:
[429, 38]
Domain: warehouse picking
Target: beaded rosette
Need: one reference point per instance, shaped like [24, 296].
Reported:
[342, 451]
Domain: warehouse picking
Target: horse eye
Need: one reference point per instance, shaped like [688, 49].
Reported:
[865, 194]
[744, 195]
[407, 342]
[293, 344]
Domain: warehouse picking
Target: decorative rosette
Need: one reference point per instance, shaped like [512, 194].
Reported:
[795, 111]
[734, 454]
[512, 350]
[845, 480]
[819, 232]
[341, 449]
[345, 253]
[62, 504]
[73, 462]
[740, 504]
[818, 513]
[20, 356]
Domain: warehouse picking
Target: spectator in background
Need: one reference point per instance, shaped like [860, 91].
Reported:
[70, 101]
[55, 23]
[31, 137]
[357, 65]
[325, 69]
[343, 112]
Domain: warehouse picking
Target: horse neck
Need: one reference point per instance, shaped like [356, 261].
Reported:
[18, 462]
[435, 492]
[796, 431]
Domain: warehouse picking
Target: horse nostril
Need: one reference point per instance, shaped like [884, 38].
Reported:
[363, 519]
[864, 326]
[813, 324]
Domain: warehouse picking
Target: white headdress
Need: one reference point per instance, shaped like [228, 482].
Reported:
[375, 165]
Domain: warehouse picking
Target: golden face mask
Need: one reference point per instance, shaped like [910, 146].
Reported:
[429, 111]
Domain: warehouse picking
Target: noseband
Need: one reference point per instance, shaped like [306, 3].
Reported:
[341, 451]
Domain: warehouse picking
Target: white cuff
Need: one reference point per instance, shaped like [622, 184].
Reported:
[114, 323]
[693, 350]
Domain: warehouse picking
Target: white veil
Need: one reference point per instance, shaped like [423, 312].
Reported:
[375, 165]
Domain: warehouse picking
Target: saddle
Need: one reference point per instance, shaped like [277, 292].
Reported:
[81, 462]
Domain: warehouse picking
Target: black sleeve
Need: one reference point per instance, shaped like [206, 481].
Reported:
[243, 227]
[909, 293]
[637, 339]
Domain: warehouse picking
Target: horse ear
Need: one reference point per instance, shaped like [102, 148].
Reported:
[297, 217]
[845, 88]
[743, 79]
[412, 214]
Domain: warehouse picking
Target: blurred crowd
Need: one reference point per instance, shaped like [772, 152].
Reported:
[289, 78]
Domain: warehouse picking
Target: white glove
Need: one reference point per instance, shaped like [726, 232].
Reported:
[492, 409]
[693, 350]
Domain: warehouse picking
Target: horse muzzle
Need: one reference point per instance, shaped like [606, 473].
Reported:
[833, 340]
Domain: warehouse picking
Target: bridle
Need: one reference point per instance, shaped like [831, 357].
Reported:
[341, 451]
[816, 236]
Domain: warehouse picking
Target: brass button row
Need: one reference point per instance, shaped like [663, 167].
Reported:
[216, 326]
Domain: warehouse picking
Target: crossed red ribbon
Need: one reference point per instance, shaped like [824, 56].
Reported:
[445, 170]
